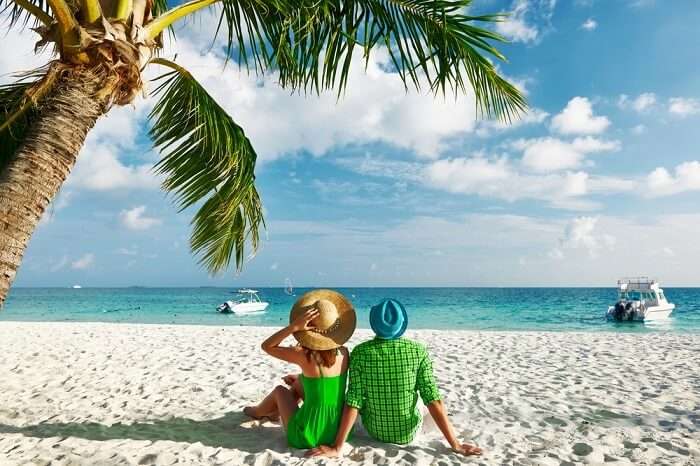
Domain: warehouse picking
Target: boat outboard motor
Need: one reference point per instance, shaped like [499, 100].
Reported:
[623, 311]
[224, 308]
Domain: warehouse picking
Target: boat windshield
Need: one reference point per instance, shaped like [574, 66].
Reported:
[637, 295]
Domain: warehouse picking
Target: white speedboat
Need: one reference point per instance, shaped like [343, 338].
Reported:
[640, 299]
[248, 303]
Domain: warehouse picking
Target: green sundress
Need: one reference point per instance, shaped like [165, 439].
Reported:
[317, 421]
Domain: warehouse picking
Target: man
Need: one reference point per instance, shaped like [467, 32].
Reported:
[386, 376]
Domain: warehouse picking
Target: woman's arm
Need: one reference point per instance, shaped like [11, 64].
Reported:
[346, 423]
[290, 354]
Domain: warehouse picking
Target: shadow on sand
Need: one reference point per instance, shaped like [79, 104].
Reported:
[234, 431]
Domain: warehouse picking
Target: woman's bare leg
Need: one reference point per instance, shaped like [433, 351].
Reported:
[280, 402]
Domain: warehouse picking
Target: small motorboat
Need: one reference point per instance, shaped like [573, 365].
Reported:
[639, 299]
[248, 303]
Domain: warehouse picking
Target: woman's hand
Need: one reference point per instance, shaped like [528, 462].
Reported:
[303, 322]
[323, 450]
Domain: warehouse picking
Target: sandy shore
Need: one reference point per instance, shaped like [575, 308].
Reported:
[107, 394]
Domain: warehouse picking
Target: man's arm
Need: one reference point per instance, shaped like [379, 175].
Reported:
[439, 415]
[346, 423]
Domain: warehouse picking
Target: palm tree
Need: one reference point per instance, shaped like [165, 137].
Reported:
[102, 47]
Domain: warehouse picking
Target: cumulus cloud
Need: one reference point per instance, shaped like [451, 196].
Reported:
[101, 170]
[685, 177]
[500, 178]
[589, 25]
[552, 154]
[84, 262]
[527, 20]
[578, 118]
[100, 167]
[136, 219]
[375, 108]
[641, 103]
[683, 107]
[534, 116]
[580, 233]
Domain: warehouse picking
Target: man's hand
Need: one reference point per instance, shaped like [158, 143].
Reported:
[323, 450]
[466, 449]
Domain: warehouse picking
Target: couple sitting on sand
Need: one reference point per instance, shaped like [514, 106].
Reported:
[386, 374]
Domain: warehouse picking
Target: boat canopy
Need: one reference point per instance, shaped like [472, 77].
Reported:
[637, 284]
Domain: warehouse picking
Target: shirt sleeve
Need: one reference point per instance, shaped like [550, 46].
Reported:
[354, 397]
[425, 382]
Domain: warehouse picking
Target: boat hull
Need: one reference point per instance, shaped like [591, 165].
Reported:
[658, 312]
[649, 314]
[249, 308]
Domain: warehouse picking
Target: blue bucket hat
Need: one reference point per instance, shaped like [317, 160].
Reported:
[388, 319]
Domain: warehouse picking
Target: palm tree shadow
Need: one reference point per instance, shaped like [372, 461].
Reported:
[230, 431]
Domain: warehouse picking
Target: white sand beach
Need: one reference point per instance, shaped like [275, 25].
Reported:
[112, 394]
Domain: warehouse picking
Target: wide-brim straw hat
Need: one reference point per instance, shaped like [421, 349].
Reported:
[334, 325]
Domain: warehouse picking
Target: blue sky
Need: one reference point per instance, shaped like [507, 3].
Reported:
[600, 179]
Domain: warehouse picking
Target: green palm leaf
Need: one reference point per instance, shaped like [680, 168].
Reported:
[21, 16]
[312, 43]
[16, 113]
[210, 162]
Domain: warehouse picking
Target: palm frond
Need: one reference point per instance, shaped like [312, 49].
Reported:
[209, 161]
[16, 114]
[21, 16]
[312, 43]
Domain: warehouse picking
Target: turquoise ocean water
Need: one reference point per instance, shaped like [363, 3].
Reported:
[552, 309]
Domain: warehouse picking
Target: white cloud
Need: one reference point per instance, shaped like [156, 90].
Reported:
[534, 116]
[683, 107]
[577, 118]
[99, 169]
[528, 20]
[515, 27]
[589, 25]
[686, 177]
[552, 154]
[375, 108]
[500, 179]
[135, 219]
[549, 154]
[640, 104]
[274, 266]
[84, 262]
[580, 234]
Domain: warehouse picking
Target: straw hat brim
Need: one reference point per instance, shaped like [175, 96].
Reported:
[339, 334]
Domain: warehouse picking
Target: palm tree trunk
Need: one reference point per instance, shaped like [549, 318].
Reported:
[38, 169]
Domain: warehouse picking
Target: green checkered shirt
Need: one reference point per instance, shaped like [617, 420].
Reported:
[385, 379]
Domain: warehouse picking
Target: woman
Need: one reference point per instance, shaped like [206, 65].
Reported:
[321, 321]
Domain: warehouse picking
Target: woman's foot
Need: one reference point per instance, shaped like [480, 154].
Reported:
[251, 412]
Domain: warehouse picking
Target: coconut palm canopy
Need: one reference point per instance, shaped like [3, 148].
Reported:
[102, 47]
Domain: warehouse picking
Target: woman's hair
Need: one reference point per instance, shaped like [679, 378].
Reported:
[325, 358]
